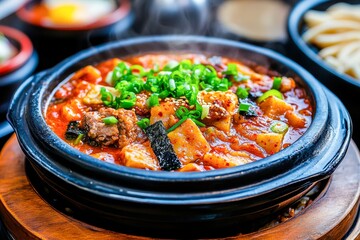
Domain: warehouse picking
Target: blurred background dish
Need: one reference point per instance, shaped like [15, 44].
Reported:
[18, 61]
[343, 85]
[66, 13]
[7, 50]
[336, 33]
[7, 7]
[269, 25]
[261, 22]
[74, 14]
[59, 29]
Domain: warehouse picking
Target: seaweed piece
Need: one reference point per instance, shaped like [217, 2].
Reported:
[73, 130]
[162, 147]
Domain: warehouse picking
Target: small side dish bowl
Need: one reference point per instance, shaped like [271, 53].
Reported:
[211, 203]
[70, 38]
[17, 68]
[65, 12]
[344, 86]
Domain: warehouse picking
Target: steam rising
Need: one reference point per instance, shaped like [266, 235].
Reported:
[161, 17]
[172, 17]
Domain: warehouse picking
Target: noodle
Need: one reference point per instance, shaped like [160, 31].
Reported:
[337, 33]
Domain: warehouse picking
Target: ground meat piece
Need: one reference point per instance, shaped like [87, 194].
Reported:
[128, 129]
[141, 107]
[121, 134]
[99, 131]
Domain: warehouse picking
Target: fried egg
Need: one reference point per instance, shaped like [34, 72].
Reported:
[66, 12]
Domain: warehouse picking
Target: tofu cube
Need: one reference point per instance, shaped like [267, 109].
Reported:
[274, 107]
[295, 120]
[139, 156]
[220, 103]
[188, 142]
[165, 112]
[270, 142]
[222, 160]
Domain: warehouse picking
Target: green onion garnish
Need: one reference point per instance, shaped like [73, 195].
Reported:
[126, 104]
[176, 125]
[78, 139]
[277, 83]
[110, 120]
[153, 100]
[205, 111]
[271, 92]
[172, 84]
[279, 127]
[183, 113]
[244, 107]
[171, 65]
[231, 69]
[106, 97]
[242, 92]
[143, 123]
[120, 70]
[200, 124]
[137, 68]
[176, 79]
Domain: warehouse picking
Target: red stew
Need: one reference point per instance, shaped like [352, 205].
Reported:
[217, 112]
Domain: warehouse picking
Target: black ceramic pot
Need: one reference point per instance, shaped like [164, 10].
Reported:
[345, 87]
[175, 204]
[54, 43]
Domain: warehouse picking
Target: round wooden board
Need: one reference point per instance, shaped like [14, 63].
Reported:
[28, 216]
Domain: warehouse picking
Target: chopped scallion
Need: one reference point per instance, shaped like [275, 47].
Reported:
[205, 111]
[176, 125]
[271, 92]
[143, 123]
[279, 127]
[138, 69]
[242, 92]
[106, 96]
[200, 124]
[126, 103]
[277, 83]
[111, 120]
[171, 65]
[172, 84]
[153, 100]
[231, 69]
[78, 139]
[244, 107]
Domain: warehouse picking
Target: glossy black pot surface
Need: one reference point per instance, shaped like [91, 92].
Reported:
[344, 86]
[154, 203]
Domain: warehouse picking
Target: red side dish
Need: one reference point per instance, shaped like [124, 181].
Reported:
[206, 112]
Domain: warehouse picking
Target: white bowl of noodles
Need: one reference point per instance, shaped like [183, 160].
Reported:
[336, 32]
